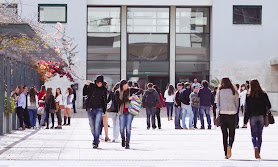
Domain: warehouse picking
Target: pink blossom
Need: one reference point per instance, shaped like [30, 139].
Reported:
[59, 24]
[55, 38]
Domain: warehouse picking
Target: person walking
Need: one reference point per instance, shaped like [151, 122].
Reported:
[74, 98]
[257, 105]
[242, 104]
[113, 112]
[68, 105]
[186, 107]
[50, 107]
[21, 104]
[169, 96]
[195, 104]
[41, 95]
[150, 100]
[158, 107]
[33, 104]
[59, 101]
[95, 105]
[205, 104]
[178, 109]
[104, 124]
[227, 104]
[123, 97]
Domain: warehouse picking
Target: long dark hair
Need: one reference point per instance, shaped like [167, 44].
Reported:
[43, 89]
[157, 89]
[57, 93]
[171, 90]
[32, 94]
[48, 94]
[227, 84]
[122, 83]
[70, 90]
[255, 88]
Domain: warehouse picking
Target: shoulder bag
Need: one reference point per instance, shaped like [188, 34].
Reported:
[218, 120]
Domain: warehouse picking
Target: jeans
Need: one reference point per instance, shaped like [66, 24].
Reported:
[125, 125]
[178, 113]
[19, 113]
[196, 114]
[151, 116]
[95, 119]
[228, 126]
[257, 125]
[187, 109]
[116, 125]
[43, 118]
[33, 116]
[158, 117]
[169, 106]
[205, 110]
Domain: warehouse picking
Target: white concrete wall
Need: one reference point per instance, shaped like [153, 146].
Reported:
[243, 52]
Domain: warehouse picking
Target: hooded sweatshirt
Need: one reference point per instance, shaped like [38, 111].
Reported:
[156, 95]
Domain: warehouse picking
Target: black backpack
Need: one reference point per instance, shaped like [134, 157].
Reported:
[150, 100]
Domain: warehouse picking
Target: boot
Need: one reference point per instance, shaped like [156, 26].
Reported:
[65, 120]
[23, 127]
[127, 145]
[168, 118]
[123, 142]
[68, 120]
[257, 154]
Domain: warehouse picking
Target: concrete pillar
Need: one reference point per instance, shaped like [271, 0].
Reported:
[123, 41]
[2, 95]
[8, 75]
[172, 45]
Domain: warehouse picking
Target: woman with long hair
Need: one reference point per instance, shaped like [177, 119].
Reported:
[227, 105]
[169, 95]
[41, 95]
[32, 101]
[19, 109]
[59, 103]
[49, 107]
[123, 97]
[158, 107]
[257, 106]
[68, 105]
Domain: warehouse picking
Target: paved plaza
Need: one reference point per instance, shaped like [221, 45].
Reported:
[72, 146]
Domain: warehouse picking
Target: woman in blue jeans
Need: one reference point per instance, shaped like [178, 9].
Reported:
[257, 105]
[169, 96]
[33, 104]
[123, 96]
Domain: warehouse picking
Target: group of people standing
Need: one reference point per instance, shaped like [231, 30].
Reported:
[33, 105]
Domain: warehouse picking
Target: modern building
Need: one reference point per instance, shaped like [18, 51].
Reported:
[165, 41]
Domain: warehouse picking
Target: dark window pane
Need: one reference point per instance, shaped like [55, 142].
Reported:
[192, 20]
[148, 47]
[104, 46]
[104, 19]
[52, 13]
[192, 47]
[139, 68]
[186, 71]
[148, 20]
[103, 67]
[247, 14]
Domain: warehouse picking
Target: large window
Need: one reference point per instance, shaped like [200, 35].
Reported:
[247, 14]
[104, 44]
[192, 44]
[148, 45]
[52, 13]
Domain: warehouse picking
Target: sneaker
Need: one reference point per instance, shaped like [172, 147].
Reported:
[209, 127]
[185, 128]
[257, 154]
[229, 152]
[148, 128]
[159, 127]
[95, 146]
[179, 128]
[123, 142]
[203, 128]
[127, 145]
[191, 128]
[101, 137]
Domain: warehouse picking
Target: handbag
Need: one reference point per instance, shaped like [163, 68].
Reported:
[40, 111]
[135, 105]
[218, 120]
[269, 119]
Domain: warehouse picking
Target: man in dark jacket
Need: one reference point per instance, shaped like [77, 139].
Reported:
[96, 105]
[74, 98]
[186, 107]
[205, 104]
[150, 100]
[178, 110]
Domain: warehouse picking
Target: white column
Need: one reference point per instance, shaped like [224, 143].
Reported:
[123, 42]
[172, 45]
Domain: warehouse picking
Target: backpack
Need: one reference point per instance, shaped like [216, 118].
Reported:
[150, 100]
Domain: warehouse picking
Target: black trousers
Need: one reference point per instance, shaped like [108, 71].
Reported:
[26, 117]
[158, 117]
[228, 126]
[73, 106]
[47, 117]
[39, 118]
[59, 117]
[19, 113]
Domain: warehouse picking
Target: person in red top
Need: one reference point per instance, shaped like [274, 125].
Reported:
[41, 95]
[158, 107]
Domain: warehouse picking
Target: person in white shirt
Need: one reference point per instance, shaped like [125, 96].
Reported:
[169, 96]
[242, 104]
[33, 105]
[59, 105]
[68, 105]
[196, 83]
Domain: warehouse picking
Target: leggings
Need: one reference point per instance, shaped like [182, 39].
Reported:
[228, 126]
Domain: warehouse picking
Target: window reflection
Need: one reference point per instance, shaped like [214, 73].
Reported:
[247, 14]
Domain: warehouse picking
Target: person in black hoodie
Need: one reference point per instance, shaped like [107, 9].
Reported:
[178, 110]
[95, 105]
[150, 100]
[186, 107]
[257, 105]
[50, 107]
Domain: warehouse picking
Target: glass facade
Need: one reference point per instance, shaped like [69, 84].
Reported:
[52, 13]
[192, 44]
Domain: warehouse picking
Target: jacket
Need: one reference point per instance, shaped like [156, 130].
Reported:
[205, 97]
[257, 106]
[150, 91]
[184, 96]
[227, 103]
[161, 100]
[111, 97]
[195, 100]
[50, 104]
[177, 99]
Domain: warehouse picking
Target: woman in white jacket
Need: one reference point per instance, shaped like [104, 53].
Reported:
[68, 106]
[242, 105]
[33, 104]
[169, 96]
